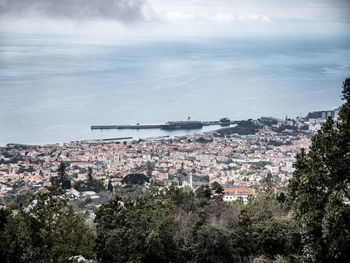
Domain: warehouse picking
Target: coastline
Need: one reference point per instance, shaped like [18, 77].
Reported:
[105, 136]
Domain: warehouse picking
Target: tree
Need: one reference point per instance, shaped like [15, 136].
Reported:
[62, 179]
[150, 168]
[215, 245]
[268, 182]
[139, 179]
[89, 174]
[110, 186]
[136, 231]
[4, 216]
[203, 192]
[275, 237]
[217, 188]
[47, 230]
[91, 184]
[319, 192]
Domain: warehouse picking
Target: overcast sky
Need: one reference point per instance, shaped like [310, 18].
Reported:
[148, 18]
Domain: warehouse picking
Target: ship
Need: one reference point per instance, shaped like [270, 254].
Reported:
[168, 125]
[225, 121]
[182, 125]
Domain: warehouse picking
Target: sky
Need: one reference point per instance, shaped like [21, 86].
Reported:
[108, 19]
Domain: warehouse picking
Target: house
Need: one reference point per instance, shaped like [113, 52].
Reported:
[236, 193]
[72, 194]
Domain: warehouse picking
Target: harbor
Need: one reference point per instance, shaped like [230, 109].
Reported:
[168, 125]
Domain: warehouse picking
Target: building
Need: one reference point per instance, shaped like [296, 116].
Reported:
[236, 193]
[323, 115]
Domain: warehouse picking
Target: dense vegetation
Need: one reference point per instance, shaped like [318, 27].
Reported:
[139, 179]
[177, 225]
[45, 229]
[242, 128]
[320, 190]
[310, 222]
[91, 184]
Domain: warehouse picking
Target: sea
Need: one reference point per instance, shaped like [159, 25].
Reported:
[52, 89]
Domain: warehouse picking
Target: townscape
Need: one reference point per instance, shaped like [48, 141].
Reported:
[242, 159]
[237, 194]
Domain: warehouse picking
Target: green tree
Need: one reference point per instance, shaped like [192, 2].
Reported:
[319, 192]
[89, 174]
[213, 244]
[203, 192]
[47, 230]
[91, 184]
[110, 186]
[4, 215]
[139, 179]
[274, 237]
[268, 183]
[136, 231]
[217, 188]
[62, 179]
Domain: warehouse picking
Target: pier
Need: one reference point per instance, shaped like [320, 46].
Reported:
[132, 126]
[169, 125]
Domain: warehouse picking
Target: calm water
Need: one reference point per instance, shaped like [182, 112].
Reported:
[53, 89]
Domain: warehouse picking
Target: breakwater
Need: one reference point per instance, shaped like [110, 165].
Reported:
[169, 125]
[132, 126]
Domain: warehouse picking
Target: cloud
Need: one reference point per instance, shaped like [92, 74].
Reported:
[228, 18]
[223, 18]
[177, 16]
[217, 18]
[118, 10]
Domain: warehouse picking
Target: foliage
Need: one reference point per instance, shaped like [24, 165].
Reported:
[4, 215]
[217, 188]
[47, 230]
[15, 202]
[110, 186]
[204, 140]
[242, 128]
[141, 231]
[91, 184]
[175, 225]
[94, 185]
[139, 179]
[199, 178]
[268, 121]
[203, 192]
[129, 191]
[286, 127]
[61, 181]
[213, 244]
[319, 191]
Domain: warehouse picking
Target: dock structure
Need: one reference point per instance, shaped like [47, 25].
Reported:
[169, 125]
[208, 123]
[132, 126]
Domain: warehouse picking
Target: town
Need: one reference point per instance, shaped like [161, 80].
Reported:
[243, 159]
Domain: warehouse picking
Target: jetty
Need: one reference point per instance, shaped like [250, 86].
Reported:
[168, 125]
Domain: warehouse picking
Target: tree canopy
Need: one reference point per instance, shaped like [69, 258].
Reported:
[46, 230]
[319, 192]
[61, 180]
